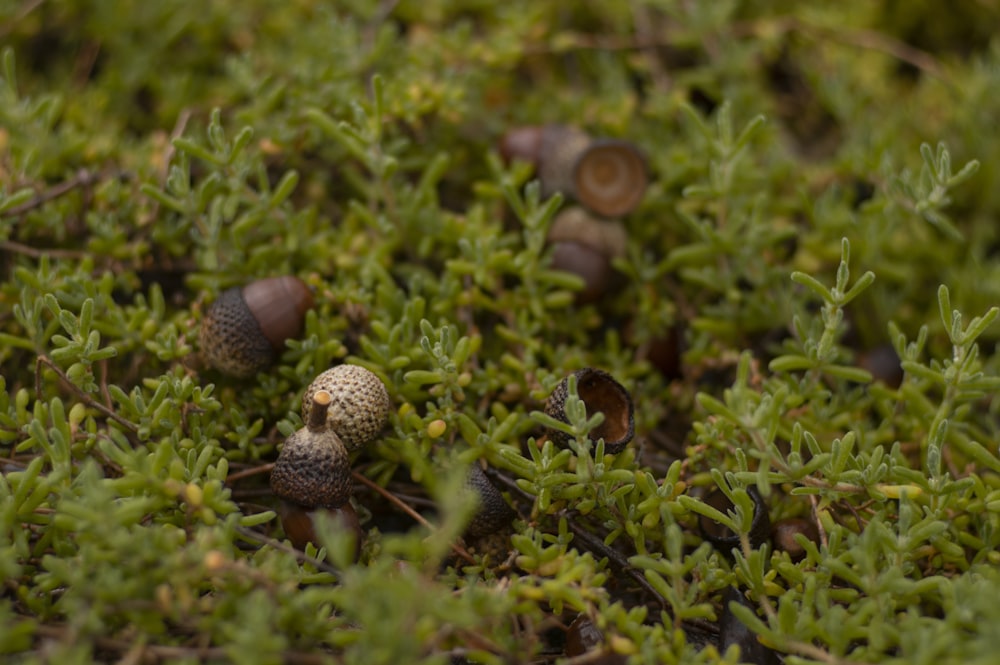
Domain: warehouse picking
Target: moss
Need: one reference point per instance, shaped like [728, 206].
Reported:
[805, 305]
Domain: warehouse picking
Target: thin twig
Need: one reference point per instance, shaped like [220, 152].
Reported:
[84, 397]
[83, 177]
[302, 557]
[246, 473]
[394, 500]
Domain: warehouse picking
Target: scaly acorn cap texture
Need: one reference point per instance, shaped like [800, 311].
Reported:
[600, 392]
[313, 469]
[493, 512]
[360, 403]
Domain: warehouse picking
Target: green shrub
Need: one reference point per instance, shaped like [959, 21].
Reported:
[823, 198]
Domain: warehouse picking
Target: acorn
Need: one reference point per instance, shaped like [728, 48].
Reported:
[245, 328]
[312, 474]
[783, 534]
[585, 246]
[608, 176]
[724, 538]
[584, 637]
[492, 513]
[360, 403]
[600, 392]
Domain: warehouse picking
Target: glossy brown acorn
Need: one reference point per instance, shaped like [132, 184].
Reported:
[359, 405]
[246, 327]
[599, 392]
[585, 246]
[607, 176]
[783, 534]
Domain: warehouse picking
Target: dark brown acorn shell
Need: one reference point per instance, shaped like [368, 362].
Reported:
[559, 149]
[299, 524]
[724, 538]
[783, 534]
[279, 304]
[600, 392]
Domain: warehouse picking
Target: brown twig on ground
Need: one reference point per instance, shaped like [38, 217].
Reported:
[394, 500]
[87, 400]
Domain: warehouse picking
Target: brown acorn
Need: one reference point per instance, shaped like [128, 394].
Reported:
[493, 513]
[783, 534]
[724, 538]
[360, 403]
[245, 328]
[313, 469]
[299, 523]
[584, 637]
[585, 245]
[600, 392]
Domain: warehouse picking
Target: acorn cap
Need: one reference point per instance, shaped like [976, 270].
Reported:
[231, 339]
[575, 224]
[600, 392]
[561, 146]
[493, 512]
[610, 177]
[359, 407]
[313, 469]
[724, 538]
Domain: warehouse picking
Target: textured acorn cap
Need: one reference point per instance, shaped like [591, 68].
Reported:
[313, 469]
[600, 392]
[360, 403]
[493, 513]
[724, 538]
[610, 177]
[560, 147]
[231, 339]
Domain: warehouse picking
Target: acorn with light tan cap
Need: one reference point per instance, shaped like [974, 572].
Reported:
[245, 328]
[359, 403]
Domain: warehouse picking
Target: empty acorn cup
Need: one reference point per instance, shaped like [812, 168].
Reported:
[599, 392]
[724, 538]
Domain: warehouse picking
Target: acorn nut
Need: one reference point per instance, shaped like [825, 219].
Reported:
[245, 328]
[600, 392]
[359, 407]
[585, 246]
[783, 534]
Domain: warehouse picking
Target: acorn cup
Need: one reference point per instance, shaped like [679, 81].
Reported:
[359, 407]
[313, 473]
[492, 513]
[599, 392]
[607, 176]
[724, 538]
[585, 246]
[245, 328]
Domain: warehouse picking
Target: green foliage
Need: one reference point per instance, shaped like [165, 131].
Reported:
[804, 223]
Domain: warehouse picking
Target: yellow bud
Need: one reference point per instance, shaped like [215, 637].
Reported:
[436, 428]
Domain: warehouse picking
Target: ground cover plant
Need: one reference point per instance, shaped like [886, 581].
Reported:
[803, 311]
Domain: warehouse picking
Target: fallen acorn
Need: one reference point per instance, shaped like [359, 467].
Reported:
[245, 328]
